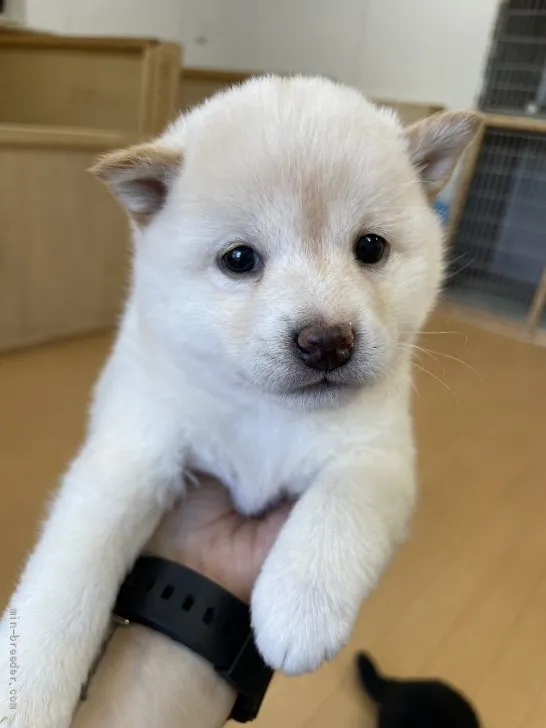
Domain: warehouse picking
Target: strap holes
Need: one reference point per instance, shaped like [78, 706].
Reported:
[167, 592]
[208, 616]
[188, 603]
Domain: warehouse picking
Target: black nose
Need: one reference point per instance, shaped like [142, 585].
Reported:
[325, 347]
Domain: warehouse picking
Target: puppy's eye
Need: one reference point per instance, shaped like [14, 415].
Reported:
[371, 248]
[241, 259]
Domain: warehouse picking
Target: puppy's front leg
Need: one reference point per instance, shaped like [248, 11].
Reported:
[109, 503]
[328, 557]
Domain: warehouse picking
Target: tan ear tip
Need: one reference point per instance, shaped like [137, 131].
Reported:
[100, 166]
[95, 170]
[146, 156]
[469, 119]
[118, 159]
[474, 119]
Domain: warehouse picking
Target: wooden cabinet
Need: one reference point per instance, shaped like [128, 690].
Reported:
[100, 83]
[64, 242]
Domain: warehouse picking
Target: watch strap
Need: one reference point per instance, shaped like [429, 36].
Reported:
[200, 614]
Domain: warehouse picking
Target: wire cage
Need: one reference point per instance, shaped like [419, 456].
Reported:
[498, 256]
[515, 77]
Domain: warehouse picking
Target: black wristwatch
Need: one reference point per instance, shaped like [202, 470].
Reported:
[200, 614]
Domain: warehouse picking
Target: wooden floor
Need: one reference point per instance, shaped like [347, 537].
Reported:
[466, 597]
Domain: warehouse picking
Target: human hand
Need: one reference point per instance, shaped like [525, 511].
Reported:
[205, 533]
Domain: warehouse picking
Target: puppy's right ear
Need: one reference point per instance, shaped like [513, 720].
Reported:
[139, 177]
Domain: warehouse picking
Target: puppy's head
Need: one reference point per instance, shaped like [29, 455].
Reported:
[284, 236]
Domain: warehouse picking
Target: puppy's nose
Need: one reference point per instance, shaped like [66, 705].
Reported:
[325, 347]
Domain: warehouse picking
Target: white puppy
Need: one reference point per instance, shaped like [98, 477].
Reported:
[285, 257]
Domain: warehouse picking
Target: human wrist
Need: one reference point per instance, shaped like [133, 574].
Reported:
[165, 545]
[144, 677]
[238, 588]
[191, 609]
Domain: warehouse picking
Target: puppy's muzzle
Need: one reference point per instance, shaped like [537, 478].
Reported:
[325, 347]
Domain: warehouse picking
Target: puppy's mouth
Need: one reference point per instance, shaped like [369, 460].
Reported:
[323, 385]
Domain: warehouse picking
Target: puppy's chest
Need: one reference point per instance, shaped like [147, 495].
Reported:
[259, 458]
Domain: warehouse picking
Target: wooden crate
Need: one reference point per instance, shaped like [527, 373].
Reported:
[490, 121]
[101, 83]
[64, 246]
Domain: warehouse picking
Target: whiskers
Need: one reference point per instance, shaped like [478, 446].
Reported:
[440, 358]
[435, 354]
[453, 271]
[431, 374]
[437, 333]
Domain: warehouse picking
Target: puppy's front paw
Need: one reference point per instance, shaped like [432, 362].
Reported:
[37, 684]
[298, 623]
[27, 703]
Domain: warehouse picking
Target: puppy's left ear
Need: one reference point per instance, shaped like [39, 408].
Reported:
[140, 177]
[436, 143]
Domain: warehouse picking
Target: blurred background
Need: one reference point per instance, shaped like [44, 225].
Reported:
[466, 598]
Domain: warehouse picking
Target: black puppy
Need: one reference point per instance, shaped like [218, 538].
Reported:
[415, 703]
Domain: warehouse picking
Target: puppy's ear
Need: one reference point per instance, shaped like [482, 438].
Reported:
[139, 177]
[435, 144]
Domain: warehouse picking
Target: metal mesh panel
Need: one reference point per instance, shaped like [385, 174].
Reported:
[515, 78]
[499, 248]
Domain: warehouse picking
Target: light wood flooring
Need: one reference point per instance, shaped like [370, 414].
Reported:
[466, 597]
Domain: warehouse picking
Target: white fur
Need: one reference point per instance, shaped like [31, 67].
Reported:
[203, 378]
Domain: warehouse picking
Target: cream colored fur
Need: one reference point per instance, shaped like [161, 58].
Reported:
[203, 376]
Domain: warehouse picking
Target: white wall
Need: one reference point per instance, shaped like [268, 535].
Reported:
[217, 33]
[308, 36]
[415, 50]
[145, 18]
[426, 50]
[421, 50]
[14, 11]
[313, 36]
[51, 15]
